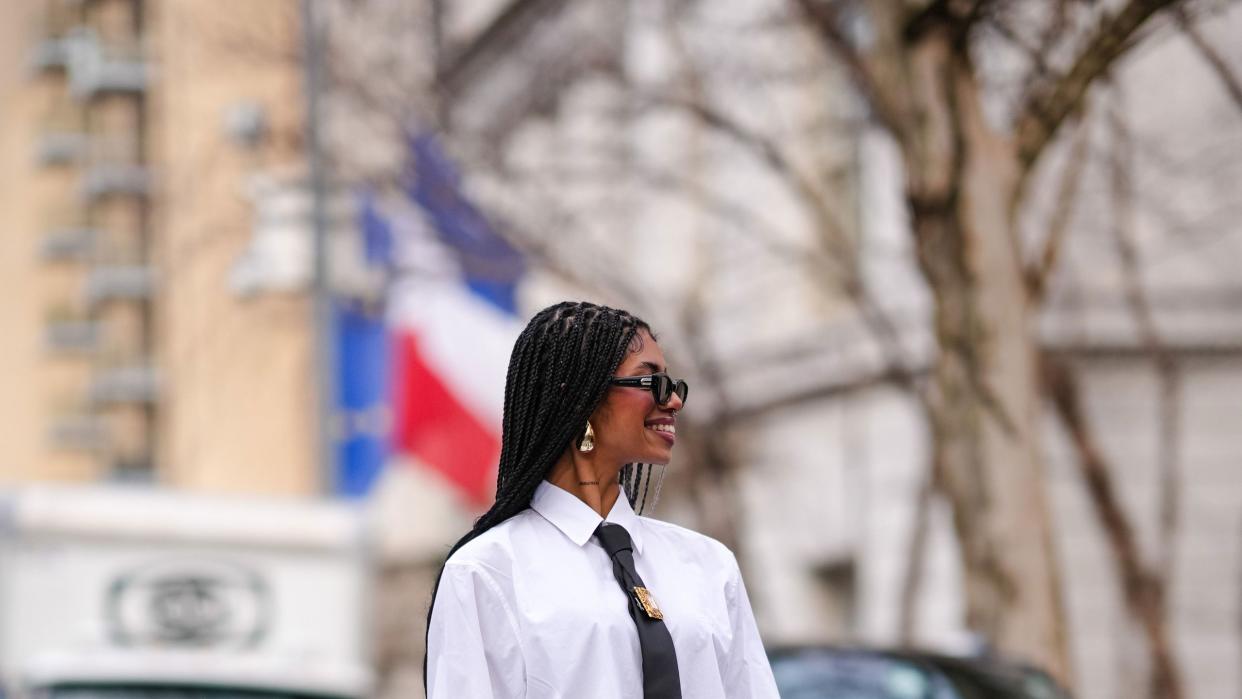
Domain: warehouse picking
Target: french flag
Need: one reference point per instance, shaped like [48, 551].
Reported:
[453, 321]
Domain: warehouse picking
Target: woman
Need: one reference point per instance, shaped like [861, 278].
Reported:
[560, 589]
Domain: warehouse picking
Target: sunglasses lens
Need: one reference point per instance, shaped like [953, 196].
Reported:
[663, 387]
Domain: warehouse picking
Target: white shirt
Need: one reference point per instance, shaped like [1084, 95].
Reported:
[531, 609]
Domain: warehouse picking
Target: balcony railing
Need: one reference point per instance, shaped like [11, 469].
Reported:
[79, 431]
[62, 139]
[69, 244]
[105, 179]
[114, 167]
[71, 335]
[96, 67]
[119, 282]
[135, 383]
[50, 52]
[60, 148]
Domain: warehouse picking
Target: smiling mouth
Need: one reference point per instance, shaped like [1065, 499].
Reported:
[668, 432]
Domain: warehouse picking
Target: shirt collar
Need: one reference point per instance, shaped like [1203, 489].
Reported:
[577, 520]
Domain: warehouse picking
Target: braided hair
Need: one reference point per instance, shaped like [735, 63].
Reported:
[558, 375]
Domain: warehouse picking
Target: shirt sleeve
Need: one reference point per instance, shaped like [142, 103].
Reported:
[473, 649]
[749, 674]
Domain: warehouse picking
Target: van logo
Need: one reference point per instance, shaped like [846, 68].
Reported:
[197, 603]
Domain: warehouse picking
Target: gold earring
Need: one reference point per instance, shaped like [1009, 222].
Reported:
[588, 439]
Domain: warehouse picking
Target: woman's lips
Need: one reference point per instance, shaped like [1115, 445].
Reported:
[671, 438]
[665, 428]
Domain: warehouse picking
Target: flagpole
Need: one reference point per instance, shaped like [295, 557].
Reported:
[324, 340]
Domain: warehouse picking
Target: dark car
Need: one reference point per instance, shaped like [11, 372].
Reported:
[825, 672]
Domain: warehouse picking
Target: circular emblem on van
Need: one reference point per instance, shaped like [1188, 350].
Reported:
[198, 603]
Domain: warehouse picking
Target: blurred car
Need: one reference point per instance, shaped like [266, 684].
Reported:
[827, 672]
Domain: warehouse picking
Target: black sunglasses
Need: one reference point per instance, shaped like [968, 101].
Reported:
[660, 385]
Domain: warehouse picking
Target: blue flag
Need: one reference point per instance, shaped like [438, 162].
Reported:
[491, 265]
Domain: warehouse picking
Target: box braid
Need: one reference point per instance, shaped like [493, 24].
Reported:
[636, 482]
[558, 374]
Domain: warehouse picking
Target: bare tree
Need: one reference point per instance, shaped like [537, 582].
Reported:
[966, 181]
[919, 71]
[915, 66]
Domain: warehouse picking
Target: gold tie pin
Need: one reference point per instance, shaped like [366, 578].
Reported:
[647, 602]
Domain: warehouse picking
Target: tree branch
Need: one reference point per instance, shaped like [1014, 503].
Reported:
[916, 556]
[1048, 38]
[582, 269]
[1046, 109]
[1142, 591]
[838, 245]
[1227, 77]
[828, 228]
[1121, 165]
[1036, 54]
[1041, 269]
[825, 18]
[942, 12]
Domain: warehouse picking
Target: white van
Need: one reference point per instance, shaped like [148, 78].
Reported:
[132, 593]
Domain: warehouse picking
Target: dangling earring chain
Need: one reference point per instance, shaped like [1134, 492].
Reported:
[588, 439]
[655, 498]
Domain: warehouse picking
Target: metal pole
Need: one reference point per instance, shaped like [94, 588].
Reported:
[325, 336]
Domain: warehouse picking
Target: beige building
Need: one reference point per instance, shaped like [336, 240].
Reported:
[159, 325]
[140, 141]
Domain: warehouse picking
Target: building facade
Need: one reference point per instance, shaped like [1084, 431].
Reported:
[142, 140]
[159, 328]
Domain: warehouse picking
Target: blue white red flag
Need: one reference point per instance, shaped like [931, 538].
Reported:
[452, 318]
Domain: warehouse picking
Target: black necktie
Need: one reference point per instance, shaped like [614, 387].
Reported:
[660, 677]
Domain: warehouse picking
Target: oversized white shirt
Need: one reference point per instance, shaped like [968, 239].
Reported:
[531, 609]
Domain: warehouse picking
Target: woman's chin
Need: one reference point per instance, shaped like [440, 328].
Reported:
[658, 459]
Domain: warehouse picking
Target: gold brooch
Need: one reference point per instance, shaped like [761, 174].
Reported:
[647, 602]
